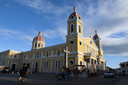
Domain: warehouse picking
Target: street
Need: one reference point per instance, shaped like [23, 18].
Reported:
[50, 79]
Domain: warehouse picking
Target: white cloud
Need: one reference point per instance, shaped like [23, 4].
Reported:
[108, 17]
[44, 6]
[49, 33]
[7, 32]
[16, 34]
[58, 12]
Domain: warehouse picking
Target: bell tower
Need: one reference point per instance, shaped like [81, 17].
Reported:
[74, 24]
[74, 29]
[98, 43]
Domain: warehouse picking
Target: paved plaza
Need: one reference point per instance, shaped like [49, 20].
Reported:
[50, 79]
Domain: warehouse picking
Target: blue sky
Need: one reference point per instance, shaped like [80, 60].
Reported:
[21, 20]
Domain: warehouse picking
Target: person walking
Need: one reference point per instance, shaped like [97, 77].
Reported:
[21, 72]
[25, 73]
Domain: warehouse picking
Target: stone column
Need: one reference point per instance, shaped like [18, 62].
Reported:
[41, 66]
[8, 55]
[12, 55]
[32, 66]
[41, 54]
[90, 69]
[96, 66]
[51, 65]
[6, 63]
[93, 66]
[11, 64]
[99, 65]
[104, 66]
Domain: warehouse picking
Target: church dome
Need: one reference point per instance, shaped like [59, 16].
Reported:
[74, 14]
[39, 37]
[96, 36]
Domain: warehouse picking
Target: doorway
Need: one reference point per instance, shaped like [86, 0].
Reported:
[36, 68]
[13, 67]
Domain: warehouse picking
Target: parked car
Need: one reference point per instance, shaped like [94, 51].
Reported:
[109, 75]
[5, 69]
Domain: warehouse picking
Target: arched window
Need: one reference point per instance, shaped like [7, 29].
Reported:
[79, 29]
[46, 64]
[79, 18]
[58, 52]
[72, 28]
[80, 43]
[80, 62]
[24, 56]
[37, 54]
[47, 54]
[71, 46]
[38, 45]
[15, 56]
[58, 63]
[30, 56]
[71, 17]
[35, 45]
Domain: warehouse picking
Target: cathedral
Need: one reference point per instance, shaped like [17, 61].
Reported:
[86, 52]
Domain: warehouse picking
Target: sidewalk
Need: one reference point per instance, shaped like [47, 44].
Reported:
[123, 81]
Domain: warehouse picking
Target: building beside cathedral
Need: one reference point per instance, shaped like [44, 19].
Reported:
[83, 51]
[124, 67]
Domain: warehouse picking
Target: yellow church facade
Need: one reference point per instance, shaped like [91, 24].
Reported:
[83, 51]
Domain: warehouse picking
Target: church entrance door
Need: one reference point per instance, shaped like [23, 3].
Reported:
[36, 68]
[13, 67]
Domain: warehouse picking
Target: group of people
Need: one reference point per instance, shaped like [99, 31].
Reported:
[65, 71]
[24, 73]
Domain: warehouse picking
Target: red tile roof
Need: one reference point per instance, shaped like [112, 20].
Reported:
[74, 14]
[39, 38]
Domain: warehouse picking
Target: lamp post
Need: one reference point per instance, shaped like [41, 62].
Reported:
[105, 64]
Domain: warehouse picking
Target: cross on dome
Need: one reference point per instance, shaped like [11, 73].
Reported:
[95, 31]
[74, 9]
[40, 33]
